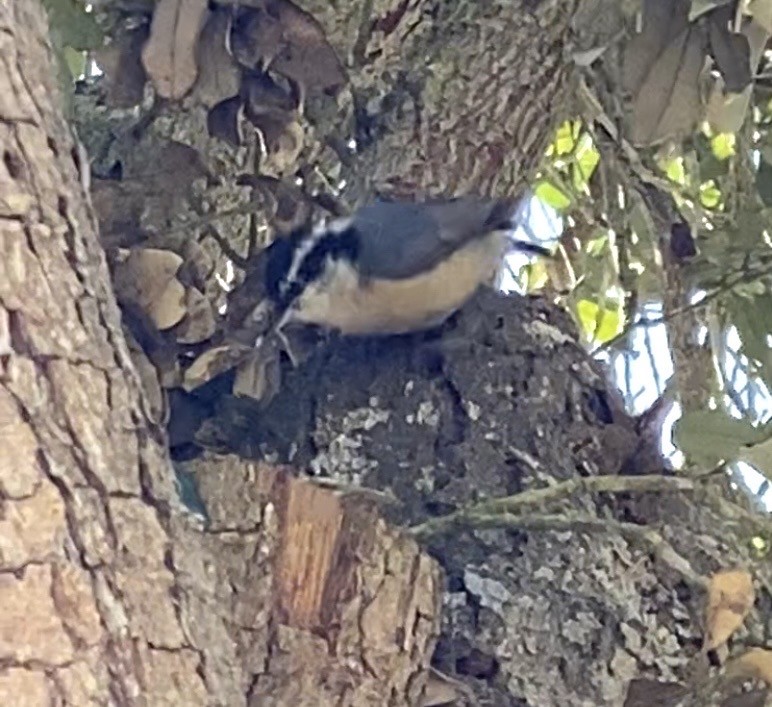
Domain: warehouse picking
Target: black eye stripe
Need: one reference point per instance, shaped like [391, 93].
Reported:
[332, 245]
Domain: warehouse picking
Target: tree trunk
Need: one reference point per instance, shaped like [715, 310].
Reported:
[110, 594]
[291, 594]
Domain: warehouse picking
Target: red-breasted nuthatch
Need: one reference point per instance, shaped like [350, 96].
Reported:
[391, 267]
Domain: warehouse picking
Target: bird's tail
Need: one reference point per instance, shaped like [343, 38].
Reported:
[532, 248]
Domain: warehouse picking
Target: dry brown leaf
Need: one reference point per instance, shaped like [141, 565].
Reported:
[169, 56]
[219, 77]
[121, 62]
[730, 598]
[259, 377]
[279, 35]
[169, 308]
[144, 272]
[145, 277]
[213, 363]
[199, 322]
[755, 663]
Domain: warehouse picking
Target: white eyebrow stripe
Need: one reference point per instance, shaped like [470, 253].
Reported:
[319, 233]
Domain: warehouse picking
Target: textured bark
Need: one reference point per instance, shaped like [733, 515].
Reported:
[110, 594]
[563, 605]
[465, 93]
[290, 595]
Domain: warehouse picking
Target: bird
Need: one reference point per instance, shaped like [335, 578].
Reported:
[391, 267]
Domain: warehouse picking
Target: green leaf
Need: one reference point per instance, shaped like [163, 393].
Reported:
[642, 223]
[552, 196]
[596, 246]
[675, 171]
[599, 324]
[751, 224]
[72, 26]
[710, 196]
[722, 146]
[709, 436]
[753, 319]
[585, 161]
[759, 456]
[565, 139]
[76, 62]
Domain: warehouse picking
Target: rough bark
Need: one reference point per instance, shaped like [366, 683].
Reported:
[110, 594]
[291, 595]
[468, 92]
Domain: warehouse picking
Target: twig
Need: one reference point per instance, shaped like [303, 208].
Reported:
[597, 484]
[741, 277]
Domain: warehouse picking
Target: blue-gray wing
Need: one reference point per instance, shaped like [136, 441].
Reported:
[400, 239]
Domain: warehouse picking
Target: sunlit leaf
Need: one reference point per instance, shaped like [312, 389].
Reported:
[552, 196]
[723, 145]
[710, 196]
[537, 276]
[586, 160]
[674, 169]
[597, 246]
[565, 139]
[759, 547]
[599, 324]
